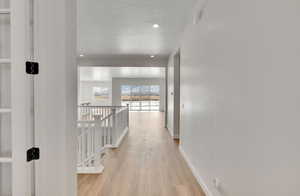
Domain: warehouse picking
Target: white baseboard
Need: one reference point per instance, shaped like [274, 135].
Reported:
[170, 131]
[195, 173]
[119, 142]
[172, 134]
[90, 170]
[109, 146]
[176, 136]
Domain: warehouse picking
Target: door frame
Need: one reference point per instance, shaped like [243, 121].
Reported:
[20, 100]
[56, 97]
[177, 106]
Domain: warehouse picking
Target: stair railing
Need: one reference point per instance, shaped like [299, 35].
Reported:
[99, 128]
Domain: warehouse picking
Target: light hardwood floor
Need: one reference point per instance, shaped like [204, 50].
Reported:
[148, 163]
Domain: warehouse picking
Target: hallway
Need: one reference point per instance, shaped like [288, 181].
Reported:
[147, 164]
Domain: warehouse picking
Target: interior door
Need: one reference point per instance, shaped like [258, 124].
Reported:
[16, 99]
[5, 101]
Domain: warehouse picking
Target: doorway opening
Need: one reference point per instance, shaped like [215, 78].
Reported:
[107, 97]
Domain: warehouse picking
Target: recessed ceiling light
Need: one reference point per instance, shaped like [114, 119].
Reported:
[155, 26]
[81, 55]
[152, 56]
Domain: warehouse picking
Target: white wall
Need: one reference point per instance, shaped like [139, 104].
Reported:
[240, 90]
[123, 61]
[118, 82]
[86, 92]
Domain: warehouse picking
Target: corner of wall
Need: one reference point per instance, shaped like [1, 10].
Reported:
[170, 131]
[176, 136]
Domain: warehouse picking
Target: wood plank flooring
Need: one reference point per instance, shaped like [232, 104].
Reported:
[148, 163]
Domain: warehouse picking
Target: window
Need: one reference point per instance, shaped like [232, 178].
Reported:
[141, 97]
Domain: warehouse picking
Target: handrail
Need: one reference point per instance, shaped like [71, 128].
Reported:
[98, 129]
[94, 112]
[102, 119]
[103, 106]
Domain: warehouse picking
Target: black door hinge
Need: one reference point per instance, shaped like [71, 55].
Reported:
[32, 68]
[33, 154]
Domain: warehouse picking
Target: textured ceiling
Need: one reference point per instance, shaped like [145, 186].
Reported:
[107, 73]
[124, 27]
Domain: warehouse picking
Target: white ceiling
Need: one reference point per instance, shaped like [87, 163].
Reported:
[107, 73]
[124, 27]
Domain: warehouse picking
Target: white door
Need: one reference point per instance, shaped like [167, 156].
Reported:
[16, 100]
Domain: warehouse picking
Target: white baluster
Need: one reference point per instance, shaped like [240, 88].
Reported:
[98, 128]
[113, 127]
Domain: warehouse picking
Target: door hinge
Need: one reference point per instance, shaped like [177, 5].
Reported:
[32, 68]
[33, 154]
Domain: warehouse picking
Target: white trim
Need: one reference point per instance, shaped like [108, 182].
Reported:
[5, 160]
[170, 131]
[172, 134]
[90, 170]
[176, 136]
[4, 11]
[119, 142]
[195, 173]
[5, 110]
[109, 146]
[5, 61]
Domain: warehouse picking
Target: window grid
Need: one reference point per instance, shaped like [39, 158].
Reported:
[141, 97]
